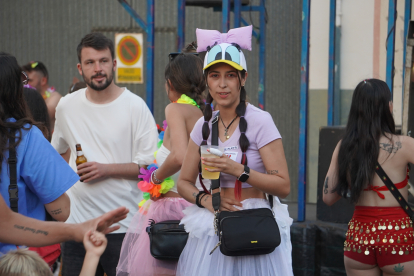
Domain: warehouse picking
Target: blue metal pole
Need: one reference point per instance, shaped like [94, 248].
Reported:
[225, 24]
[250, 8]
[134, 14]
[392, 12]
[149, 29]
[237, 13]
[150, 56]
[407, 17]
[331, 70]
[303, 124]
[181, 25]
[262, 56]
[337, 87]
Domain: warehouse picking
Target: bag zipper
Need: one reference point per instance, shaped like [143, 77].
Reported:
[218, 244]
[220, 234]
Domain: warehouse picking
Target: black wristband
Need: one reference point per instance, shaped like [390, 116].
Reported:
[202, 196]
[197, 201]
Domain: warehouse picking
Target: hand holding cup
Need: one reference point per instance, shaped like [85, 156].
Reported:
[209, 151]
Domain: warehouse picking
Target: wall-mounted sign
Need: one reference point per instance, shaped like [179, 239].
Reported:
[129, 58]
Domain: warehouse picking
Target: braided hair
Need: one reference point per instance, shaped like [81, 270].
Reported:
[243, 141]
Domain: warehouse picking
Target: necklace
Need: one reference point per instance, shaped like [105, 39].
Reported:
[226, 128]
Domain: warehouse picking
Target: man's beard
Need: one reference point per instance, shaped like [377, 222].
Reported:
[101, 86]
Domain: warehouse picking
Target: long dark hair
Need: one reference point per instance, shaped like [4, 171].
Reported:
[369, 119]
[240, 111]
[38, 109]
[12, 104]
[185, 72]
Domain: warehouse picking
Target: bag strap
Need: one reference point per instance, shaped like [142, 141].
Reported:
[13, 188]
[215, 184]
[394, 191]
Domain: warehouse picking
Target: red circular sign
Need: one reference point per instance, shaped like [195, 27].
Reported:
[129, 50]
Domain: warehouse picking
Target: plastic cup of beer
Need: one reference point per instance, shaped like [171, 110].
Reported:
[204, 153]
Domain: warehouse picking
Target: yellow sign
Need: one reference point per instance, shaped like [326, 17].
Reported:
[129, 58]
[129, 75]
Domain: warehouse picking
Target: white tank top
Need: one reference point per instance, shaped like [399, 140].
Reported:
[162, 155]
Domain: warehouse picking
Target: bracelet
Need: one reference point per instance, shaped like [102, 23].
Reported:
[197, 201]
[155, 177]
[201, 197]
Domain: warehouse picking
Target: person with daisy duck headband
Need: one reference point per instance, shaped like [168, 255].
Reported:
[184, 84]
[253, 164]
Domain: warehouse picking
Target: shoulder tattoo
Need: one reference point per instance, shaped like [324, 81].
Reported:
[390, 148]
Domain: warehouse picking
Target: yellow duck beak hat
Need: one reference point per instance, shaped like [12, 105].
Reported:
[227, 53]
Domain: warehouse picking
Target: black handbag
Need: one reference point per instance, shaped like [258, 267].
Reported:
[167, 239]
[245, 232]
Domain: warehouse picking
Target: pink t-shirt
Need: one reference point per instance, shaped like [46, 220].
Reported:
[261, 130]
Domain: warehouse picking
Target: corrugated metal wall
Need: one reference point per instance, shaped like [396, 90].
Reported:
[49, 31]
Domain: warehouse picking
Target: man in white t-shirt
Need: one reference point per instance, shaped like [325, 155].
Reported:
[117, 133]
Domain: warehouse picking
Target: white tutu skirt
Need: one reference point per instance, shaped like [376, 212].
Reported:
[195, 258]
[135, 258]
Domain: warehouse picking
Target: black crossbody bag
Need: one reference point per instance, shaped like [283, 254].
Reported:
[245, 232]
[167, 239]
[394, 191]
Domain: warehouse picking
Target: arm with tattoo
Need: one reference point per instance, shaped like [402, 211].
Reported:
[329, 197]
[325, 187]
[56, 212]
[59, 209]
[21, 230]
[272, 171]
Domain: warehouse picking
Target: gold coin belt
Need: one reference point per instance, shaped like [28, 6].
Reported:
[366, 237]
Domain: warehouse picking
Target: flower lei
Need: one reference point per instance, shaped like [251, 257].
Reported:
[48, 92]
[184, 99]
[146, 185]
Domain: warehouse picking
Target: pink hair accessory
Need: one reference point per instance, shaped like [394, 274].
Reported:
[242, 36]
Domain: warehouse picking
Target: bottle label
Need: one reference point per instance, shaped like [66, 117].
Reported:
[79, 153]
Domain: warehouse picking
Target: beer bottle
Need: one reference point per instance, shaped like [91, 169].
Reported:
[80, 159]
